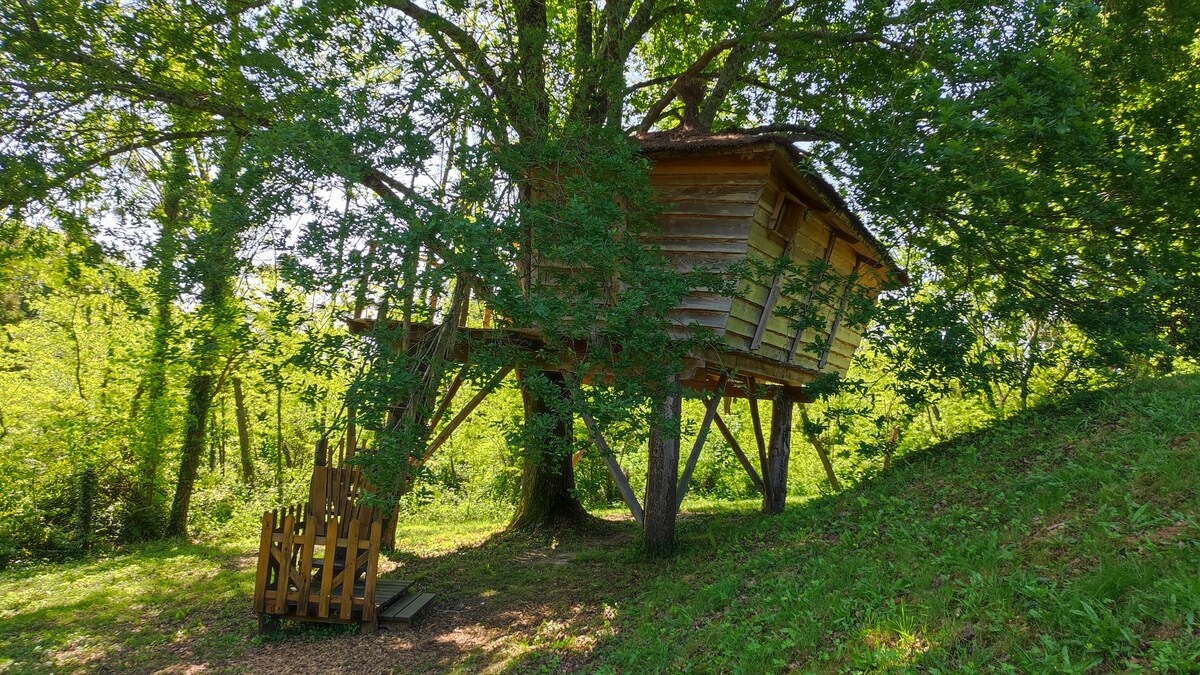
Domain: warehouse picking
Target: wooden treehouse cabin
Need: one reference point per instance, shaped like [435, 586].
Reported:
[750, 199]
[738, 199]
[729, 200]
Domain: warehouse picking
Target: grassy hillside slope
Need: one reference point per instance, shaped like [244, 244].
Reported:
[1064, 539]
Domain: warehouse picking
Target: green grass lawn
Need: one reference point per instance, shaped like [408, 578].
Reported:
[1065, 539]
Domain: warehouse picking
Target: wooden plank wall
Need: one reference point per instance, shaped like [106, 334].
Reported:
[709, 206]
[812, 237]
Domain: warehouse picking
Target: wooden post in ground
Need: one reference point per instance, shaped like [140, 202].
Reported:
[819, 446]
[779, 449]
[662, 475]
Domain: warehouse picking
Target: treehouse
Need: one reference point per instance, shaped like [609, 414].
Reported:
[734, 199]
[731, 204]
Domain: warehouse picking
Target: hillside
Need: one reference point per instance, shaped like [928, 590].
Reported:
[1065, 539]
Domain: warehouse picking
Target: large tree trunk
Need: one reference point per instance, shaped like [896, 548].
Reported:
[779, 450]
[145, 506]
[548, 497]
[662, 477]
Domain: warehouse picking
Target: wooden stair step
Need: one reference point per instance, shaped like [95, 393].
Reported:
[406, 609]
[388, 591]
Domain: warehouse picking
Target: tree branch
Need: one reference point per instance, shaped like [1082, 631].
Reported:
[698, 66]
[433, 22]
[85, 165]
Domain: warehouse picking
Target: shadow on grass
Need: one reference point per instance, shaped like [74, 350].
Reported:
[138, 610]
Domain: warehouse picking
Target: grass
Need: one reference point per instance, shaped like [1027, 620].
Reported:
[1066, 539]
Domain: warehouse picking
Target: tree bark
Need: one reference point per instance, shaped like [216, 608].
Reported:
[662, 476]
[200, 386]
[779, 450]
[243, 428]
[548, 498]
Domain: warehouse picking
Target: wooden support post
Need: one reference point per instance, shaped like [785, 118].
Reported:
[778, 453]
[662, 477]
[613, 468]
[756, 418]
[448, 397]
[737, 450]
[819, 446]
[351, 434]
[709, 413]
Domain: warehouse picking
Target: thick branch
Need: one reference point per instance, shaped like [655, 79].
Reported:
[655, 112]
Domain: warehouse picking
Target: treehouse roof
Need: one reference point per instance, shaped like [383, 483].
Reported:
[784, 157]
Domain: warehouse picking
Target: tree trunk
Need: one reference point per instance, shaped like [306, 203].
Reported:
[662, 478]
[145, 506]
[779, 450]
[280, 447]
[548, 498]
[199, 398]
[243, 427]
[216, 261]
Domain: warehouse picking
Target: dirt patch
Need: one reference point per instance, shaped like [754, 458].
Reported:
[511, 598]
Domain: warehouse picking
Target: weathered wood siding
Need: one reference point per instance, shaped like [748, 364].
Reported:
[720, 210]
[811, 238]
[709, 205]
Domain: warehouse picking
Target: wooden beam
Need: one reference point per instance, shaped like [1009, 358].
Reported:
[772, 297]
[812, 293]
[462, 414]
[841, 311]
[448, 397]
[737, 450]
[709, 413]
[819, 446]
[614, 468]
[758, 436]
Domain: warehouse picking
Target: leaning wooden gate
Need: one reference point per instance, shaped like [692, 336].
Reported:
[323, 577]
